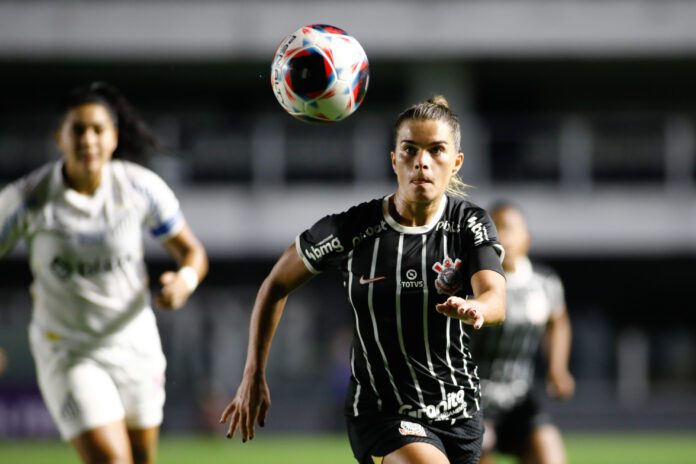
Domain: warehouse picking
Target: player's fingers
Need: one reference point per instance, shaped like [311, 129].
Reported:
[262, 413]
[251, 422]
[164, 301]
[234, 423]
[241, 420]
[478, 323]
[227, 411]
[472, 316]
[446, 310]
[167, 277]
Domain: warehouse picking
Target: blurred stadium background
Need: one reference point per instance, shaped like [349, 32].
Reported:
[581, 111]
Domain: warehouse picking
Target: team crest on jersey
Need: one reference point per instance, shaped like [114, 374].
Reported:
[412, 429]
[449, 278]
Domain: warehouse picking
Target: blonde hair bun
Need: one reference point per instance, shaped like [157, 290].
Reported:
[438, 100]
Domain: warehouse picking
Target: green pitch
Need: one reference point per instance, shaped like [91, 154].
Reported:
[677, 448]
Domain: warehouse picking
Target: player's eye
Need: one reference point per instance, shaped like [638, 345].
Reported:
[410, 150]
[78, 129]
[98, 129]
[438, 149]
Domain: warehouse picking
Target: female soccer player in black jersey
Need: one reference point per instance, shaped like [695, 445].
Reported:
[410, 262]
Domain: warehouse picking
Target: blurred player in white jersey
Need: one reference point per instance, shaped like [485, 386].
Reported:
[506, 354]
[93, 333]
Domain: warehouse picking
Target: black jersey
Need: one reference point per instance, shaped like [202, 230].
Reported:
[406, 357]
[506, 354]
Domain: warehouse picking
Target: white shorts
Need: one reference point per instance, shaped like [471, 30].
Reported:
[85, 389]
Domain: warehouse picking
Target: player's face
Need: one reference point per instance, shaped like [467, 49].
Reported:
[87, 138]
[424, 159]
[512, 232]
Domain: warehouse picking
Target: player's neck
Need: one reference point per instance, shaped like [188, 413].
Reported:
[412, 214]
[85, 184]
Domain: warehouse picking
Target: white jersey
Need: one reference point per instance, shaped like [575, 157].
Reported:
[86, 252]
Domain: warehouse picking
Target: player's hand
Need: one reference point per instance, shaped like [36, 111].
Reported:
[248, 407]
[560, 384]
[463, 309]
[174, 293]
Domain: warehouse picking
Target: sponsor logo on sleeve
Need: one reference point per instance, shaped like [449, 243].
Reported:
[329, 245]
[478, 229]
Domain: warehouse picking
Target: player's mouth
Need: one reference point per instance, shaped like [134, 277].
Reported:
[87, 156]
[421, 181]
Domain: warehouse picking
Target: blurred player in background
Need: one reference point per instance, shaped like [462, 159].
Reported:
[93, 333]
[409, 261]
[506, 354]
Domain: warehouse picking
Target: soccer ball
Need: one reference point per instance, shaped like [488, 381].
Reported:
[320, 73]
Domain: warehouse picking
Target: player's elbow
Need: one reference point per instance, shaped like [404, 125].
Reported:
[274, 289]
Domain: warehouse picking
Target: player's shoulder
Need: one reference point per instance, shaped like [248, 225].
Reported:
[463, 209]
[137, 176]
[35, 187]
[131, 170]
[355, 219]
[372, 207]
[361, 212]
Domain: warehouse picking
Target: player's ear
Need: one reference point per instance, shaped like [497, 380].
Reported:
[392, 155]
[458, 161]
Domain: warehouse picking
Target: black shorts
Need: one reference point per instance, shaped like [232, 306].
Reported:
[514, 426]
[380, 434]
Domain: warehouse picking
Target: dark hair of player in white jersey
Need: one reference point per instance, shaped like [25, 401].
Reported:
[436, 108]
[136, 141]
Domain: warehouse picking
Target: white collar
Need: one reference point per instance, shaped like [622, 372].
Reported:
[89, 204]
[412, 229]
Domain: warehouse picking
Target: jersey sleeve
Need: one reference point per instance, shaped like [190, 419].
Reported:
[325, 244]
[555, 293]
[163, 217]
[12, 216]
[481, 242]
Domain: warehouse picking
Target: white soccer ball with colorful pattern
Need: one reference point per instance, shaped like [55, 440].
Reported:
[320, 73]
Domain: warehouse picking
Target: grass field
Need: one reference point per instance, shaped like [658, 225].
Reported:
[677, 448]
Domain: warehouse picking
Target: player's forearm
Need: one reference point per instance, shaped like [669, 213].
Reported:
[492, 305]
[559, 335]
[489, 293]
[268, 309]
[188, 252]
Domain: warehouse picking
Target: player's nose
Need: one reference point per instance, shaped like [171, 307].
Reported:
[423, 160]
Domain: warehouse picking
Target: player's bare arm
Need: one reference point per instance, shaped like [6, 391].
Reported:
[560, 382]
[487, 306]
[252, 400]
[192, 259]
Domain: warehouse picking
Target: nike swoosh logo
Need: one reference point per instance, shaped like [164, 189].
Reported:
[364, 281]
